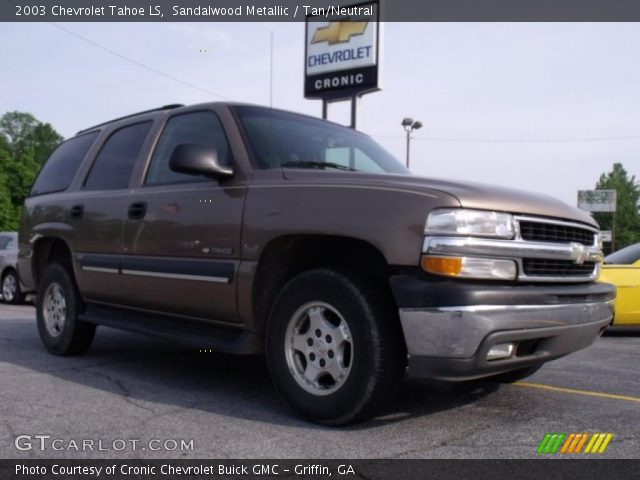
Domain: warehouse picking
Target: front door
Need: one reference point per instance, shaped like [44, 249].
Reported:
[182, 234]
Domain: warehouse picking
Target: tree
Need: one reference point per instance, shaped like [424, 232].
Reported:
[8, 216]
[44, 140]
[627, 218]
[25, 144]
[22, 131]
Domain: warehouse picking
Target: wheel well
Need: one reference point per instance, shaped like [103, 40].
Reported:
[47, 251]
[7, 269]
[285, 257]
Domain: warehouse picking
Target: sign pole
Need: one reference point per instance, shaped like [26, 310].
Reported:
[325, 108]
[613, 232]
[354, 110]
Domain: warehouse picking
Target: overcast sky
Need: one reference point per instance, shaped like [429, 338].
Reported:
[541, 107]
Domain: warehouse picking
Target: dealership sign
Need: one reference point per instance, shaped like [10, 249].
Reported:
[341, 54]
[597, 200]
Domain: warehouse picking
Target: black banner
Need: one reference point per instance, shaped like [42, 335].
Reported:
[297, 10]
[318, 469]
[345, 83]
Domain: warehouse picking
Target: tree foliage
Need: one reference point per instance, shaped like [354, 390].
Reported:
[627, 219]
[22, 131]
[25, 144]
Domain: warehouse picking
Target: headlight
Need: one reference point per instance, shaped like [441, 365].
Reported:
[476, 223]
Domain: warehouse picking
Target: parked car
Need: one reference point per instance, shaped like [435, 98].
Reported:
[12, 290]
[250, 230]
[622, 269]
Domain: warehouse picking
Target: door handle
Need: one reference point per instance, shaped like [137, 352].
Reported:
[137, 210]
[76, 211]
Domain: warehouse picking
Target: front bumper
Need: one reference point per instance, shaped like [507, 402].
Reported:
[450, 335]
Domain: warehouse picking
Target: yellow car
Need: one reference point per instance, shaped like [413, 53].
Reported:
[622, 269]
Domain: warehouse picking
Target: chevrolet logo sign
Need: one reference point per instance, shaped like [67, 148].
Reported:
[338, 32]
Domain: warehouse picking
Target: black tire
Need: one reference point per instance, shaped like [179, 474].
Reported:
[376, 351]
[72, 336]
[514, 375]
[11, 277]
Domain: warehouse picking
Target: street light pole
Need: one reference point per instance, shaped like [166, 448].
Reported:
[409, 126]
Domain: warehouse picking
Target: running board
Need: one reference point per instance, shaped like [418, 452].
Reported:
[188, 332]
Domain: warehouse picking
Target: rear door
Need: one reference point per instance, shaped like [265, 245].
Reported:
[182, 233]
[97, 210]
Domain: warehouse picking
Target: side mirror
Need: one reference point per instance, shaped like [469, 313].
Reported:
[197, 159]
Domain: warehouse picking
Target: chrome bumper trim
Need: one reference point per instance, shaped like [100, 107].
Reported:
[457, 332]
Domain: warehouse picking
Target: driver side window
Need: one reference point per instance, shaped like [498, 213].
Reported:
[201, 128]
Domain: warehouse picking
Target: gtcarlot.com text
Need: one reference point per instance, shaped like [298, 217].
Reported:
[50, 443]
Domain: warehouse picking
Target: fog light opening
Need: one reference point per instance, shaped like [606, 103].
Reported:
[501, 351]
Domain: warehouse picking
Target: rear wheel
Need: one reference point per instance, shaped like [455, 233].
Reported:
[57, 309]
[11, 292]
[334, 347]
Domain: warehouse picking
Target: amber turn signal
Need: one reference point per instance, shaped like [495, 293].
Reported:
[450, 266]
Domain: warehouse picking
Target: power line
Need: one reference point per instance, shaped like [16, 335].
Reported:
[515, 140]
[139, 64]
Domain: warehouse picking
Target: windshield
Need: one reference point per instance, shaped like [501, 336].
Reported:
[626, 256]
[281, 139]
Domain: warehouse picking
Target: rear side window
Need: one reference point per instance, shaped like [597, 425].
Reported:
[58, 172]
[114, 164]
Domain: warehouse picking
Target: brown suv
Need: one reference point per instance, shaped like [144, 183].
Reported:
[250, 230]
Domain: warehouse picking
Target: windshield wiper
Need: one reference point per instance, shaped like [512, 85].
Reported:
[308, 163]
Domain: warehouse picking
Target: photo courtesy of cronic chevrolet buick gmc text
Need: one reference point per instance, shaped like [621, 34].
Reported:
[251, 230]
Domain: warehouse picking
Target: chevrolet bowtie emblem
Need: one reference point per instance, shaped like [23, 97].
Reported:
[338, 32]
[579, 253]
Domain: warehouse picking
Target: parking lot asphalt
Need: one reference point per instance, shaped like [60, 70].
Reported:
[129, 387]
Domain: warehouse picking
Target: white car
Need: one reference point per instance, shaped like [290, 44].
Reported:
[12, 290]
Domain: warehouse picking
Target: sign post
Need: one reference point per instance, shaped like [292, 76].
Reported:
[342, 54]
[600, 201]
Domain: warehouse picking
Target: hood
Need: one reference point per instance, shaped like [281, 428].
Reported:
[468, 194]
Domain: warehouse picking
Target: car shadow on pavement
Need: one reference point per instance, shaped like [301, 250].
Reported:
[159, 376]
[622, 332]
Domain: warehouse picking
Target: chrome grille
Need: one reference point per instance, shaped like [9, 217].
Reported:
[543, 249]
[536, 267]
[556, 233]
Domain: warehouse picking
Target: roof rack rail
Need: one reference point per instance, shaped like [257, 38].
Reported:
[164, 107]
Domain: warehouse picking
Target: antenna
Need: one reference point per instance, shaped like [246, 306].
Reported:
[271, 74]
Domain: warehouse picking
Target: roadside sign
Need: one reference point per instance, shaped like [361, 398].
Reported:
[597, 200]
[606, 236]
[342, 51]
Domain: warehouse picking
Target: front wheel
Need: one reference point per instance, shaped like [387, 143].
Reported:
[57, 309]
[334, 347]
[11, 292]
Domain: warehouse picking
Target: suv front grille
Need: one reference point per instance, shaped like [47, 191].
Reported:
[549, 232]
[535, 267]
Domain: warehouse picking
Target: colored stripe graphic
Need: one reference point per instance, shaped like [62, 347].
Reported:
[556, 445]
[572, 443]
[550, 443]
[543, 443]
[584, 439]
[568, 442]
[606, 442]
